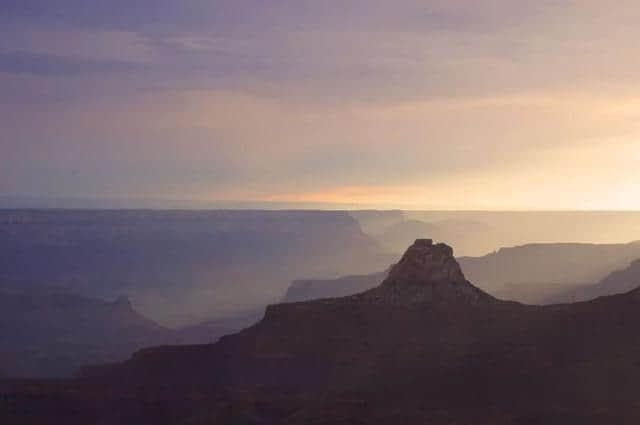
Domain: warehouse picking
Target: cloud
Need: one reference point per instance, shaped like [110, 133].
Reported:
[48, 65]
[221, 145]
[436, 101]
[361, 51]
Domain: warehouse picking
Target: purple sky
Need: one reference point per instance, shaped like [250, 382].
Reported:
[425, 104]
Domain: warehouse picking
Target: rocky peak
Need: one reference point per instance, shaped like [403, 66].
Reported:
[428, 272]
[427, 262]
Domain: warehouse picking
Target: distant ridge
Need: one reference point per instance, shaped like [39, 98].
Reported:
[182, 267]
[52, 335]
[618, 282]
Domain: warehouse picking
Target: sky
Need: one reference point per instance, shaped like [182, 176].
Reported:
[430, 104]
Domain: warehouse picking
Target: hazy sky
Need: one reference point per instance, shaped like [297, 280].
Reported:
[417, 103]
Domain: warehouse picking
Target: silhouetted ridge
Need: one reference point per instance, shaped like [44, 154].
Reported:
[428, 272]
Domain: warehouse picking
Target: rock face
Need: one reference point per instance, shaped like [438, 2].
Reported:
[428, 273]
[425, 262]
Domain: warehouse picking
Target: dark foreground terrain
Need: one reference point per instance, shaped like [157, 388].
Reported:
[424, 347]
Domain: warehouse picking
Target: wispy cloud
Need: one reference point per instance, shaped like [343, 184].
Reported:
[42, 65]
